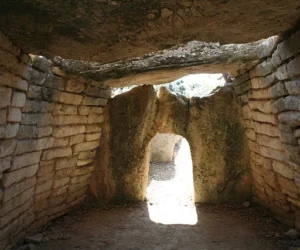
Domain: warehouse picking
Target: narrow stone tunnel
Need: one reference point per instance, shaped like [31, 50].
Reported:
[74, 161]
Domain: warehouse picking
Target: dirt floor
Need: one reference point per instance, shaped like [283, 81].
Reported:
[168, 220]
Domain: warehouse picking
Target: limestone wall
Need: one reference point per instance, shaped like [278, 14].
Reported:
[50, 128]
[270, 97]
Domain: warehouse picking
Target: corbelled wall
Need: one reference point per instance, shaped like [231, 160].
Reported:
[270, 97]
[50, 128]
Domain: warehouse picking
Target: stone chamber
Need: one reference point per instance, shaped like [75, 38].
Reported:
[64, 140]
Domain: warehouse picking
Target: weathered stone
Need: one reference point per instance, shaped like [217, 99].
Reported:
[57, 200]
[76, 139]
[40, 119]
[273, 153]
[277, 90]
[25, 160]
[5, 96]
[293, 68]
[297, 133]
[10, 80]
[70, 119]
[62, 109]
[42, 93]
[44, 177]
[262, 161]
[74, 85]
[291, 117]
[94, 91]
[68, 130]
[293, 151]
[83, 110]
[281, 72]
[61, 142]
[90, 101]
[68, 98]
[263, 82]
[69, 162]
[5, 163]
[7, 147]
[262, 69]
[38, 106]
[241, 78]
[83, 170]
[287, 138]
[53, 81]
[44, 187]
[61, 182]
[90, 154]
[283, 169]
[59, 191]
[18, 99]
[93, 137]
[14, 115]
[65, 172]
[80, 178]
[18, 175]
[262, 117]
[242, 88]
[3, 113]
[288, 187]
[33, 145]
[263, 106]
[293, 87]
[287, 103]
[85, 146]
[43, 131]
[95, 118]
[41, 63]
[18, 188]
[81, 163]
[259, 94]
[11, 130]
[56, 153]
[267, 129]
[271, 142]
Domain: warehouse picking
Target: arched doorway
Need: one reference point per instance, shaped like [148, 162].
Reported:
[170, 191]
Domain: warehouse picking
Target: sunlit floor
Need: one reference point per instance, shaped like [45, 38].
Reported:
[170, 192]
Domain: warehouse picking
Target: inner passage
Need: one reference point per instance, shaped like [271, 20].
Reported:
[170, 192]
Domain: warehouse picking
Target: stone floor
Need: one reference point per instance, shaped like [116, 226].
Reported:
[168, 220]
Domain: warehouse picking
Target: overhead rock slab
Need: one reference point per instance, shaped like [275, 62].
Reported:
[109, 30]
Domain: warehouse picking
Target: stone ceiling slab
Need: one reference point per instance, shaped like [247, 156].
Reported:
[111, 30]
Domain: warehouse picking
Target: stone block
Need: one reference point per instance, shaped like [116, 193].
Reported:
[271, 142]
[7, 147]
[27, 131]
[83, 110]
[241, 78]
[17, 201]
[95, 118]
[5, 164]
[75, 85]
[68, 98]
[14, 114]
[41, 63]
[53, 81]
[65, 131]
[288, 187]
[25, 160]
[297, 133]
[61, 142]
[289, 47]
[63, 163]
[59, 191]
[94, 137]
[43, 187]
[97, 110]
[293, 68]
[17, 188]
[38, 106]
[63, 109]
[16, 176]
[45, 177]
[43, 93]
[10, 80]
[85, 146]
[95, 91]
[263, 82]
[293, 87]
[90, 154]
[46, 167]
[11, 130]
[287, 138]
[56, 153]
[242, 88]
[277, 90]
[83, 170]
[262, 69]
[262, 117]
[77, 186]
[5, 96]
[262, 106]
[65, 172]
[3, 113]
[77, 139]
[293, 151]
[273, 153]
[43, 131]
[57, 200]
[90, 101]
[40, 119]
[287, 103]
[283, 169]
[78, 193]
[291, 118]
[18, 99]
[259, 94]
[281, 72]
[70, 119]
[93, 128]
[81, 163]
[61, 182]
[33, 145]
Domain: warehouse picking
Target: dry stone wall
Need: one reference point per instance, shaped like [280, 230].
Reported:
[270, 97]
[50, 128]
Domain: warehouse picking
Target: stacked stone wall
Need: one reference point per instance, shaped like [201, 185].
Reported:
[270, 99]
[50, 128]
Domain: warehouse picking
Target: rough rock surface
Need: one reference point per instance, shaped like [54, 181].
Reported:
[109, 30]
[170, 64]
[211, 125]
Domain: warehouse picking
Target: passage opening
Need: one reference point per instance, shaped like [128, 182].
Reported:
[170, 192]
